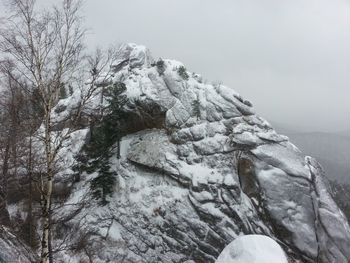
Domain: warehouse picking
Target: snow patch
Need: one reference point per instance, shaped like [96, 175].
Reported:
[252, 249]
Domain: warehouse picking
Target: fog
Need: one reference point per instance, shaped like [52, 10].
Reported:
[290, 58]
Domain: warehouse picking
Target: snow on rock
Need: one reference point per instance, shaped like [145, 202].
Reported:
[330, 220]
[134, 55]
[295, 214]
[198, 169]
[252, 249]
[13, 250]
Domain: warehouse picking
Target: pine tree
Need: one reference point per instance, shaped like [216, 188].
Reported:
[116, 101]
[102, 186]
[98, 152]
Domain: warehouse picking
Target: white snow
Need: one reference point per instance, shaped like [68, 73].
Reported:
[125, 144]
[291, 162]
[200, 174]
[252, 249]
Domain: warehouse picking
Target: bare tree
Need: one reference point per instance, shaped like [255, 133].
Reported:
[46, 48]
[46, 51]
[20, 119]
[11, 106]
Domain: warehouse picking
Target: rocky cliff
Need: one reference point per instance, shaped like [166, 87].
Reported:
[198, 168]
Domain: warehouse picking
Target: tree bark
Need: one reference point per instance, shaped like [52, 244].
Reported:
[46, 205]
[4, 215]
[30, 193]
[47, 187]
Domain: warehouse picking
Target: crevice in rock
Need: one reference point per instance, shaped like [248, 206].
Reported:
[314, 201]
[276, 229]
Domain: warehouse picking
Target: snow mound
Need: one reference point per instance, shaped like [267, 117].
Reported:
[252, 249]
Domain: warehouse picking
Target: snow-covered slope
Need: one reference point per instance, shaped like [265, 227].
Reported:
[198, 169]
[252, 249]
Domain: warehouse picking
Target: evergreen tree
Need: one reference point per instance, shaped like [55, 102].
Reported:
[97, 153]
[116, 101]
[102, 186]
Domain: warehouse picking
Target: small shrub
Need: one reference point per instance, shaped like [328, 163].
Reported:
[63, 92]
[183, 72]
[217, 84]
[160, 66]
[196, 108]
[197, 77]
[70, 90]
[60, 108]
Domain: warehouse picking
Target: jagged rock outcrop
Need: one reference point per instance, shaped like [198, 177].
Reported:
[201, 171]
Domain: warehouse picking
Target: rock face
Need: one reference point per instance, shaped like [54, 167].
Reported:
[12, 250]
[206, 171]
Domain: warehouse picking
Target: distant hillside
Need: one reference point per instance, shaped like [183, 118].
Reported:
[332, 150]
[345, 133]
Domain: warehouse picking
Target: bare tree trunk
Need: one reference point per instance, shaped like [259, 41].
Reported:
[4, 215]
[30, 212]
[45, 241]
[50, 239]
[48, 186]
[5, 168]
[30, 192]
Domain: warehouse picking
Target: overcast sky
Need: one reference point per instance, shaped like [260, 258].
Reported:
[290, 58]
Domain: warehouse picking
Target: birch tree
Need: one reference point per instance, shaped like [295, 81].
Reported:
[46, 48]
[46, 51]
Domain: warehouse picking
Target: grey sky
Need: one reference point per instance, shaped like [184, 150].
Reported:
[290, 58]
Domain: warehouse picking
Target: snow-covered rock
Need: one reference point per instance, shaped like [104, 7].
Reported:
[133, 55]
[199, 168]
[13, 250]
[252, 249]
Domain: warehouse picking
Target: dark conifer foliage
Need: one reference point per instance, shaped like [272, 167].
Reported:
[183, 72]
[196, 108]
[104, 135]
[63, 92]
